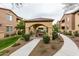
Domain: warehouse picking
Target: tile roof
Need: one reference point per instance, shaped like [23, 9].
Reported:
[39, 19]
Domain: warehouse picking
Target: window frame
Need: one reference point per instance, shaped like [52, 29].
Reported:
[9, 17]
[63, 20]
[9, 28]
[62, 27]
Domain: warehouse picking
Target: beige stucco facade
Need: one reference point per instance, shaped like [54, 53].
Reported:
[1, 35]
[37, 24]
[71, 22]
[77, 21]
[7, 19]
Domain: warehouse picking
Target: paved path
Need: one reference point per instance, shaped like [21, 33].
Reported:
[68, 49]
[26, 49]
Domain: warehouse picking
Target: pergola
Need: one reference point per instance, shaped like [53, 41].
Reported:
[33, 24]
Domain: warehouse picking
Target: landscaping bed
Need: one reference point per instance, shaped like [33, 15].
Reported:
[43, 49]
[76, 40]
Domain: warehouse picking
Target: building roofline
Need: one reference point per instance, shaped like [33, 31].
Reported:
[68, 14]
[74, 12]
[40, 20]
[10, 11]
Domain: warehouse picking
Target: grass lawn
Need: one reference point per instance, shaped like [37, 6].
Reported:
[6, 42]
[13, 48]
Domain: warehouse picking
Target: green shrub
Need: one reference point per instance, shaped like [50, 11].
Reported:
[26, 37]
[70, 33]
[76, 33]
[31, 33]
[54, 35]
[19, 32]
[67, 33]
[46, 39]
[64, 32]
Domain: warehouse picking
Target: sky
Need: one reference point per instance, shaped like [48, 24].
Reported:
[37, 10]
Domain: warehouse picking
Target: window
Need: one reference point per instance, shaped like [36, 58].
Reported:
[63, 21]
[9, 17]
[9, 29]
[78, 25]
[68, 19]
[63, 27]
[0, 25]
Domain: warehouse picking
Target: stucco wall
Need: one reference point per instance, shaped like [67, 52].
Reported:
[62, 24]
[4, 22]
[1, 35]
[76, 22]
[47, 24]
[68, 22]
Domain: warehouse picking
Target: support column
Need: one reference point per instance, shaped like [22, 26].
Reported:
[50, 31]
[27, 29]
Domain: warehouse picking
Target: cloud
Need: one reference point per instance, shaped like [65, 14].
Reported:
[34, 10]
[41, 10]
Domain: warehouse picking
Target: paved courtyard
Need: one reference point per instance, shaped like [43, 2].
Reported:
[26, 49]
[68, 49]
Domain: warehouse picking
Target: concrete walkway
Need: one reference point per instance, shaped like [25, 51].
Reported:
[68, 49]
[26, 49]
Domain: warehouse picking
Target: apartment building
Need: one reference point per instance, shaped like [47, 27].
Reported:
[70, 22]
[8, 22]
